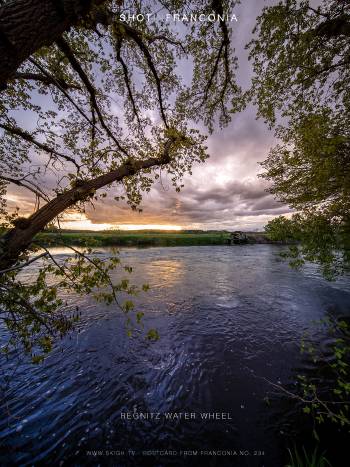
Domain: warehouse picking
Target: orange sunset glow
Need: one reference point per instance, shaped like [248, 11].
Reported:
[81, 222]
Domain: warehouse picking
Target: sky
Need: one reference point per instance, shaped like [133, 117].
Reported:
[223, 193]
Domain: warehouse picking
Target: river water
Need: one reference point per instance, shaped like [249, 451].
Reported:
[230, 320]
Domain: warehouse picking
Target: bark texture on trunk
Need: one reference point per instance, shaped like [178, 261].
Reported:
[334, 27]
[28, 25]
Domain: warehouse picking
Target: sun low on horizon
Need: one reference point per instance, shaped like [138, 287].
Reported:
[85, 224]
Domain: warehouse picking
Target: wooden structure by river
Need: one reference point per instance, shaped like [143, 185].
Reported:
[237, 238]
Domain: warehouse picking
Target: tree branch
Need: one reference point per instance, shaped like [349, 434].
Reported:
[45, 79]
[26, 136]
[136, 37]
[127, 81]
[224, 48]
[65, 48]
[164, 38]
[335, 27]
[20, 266]
[34, 188]
[42, 69]
[318, 12]
[14, 242]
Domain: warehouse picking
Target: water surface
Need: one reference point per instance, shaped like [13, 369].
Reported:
[230, 321]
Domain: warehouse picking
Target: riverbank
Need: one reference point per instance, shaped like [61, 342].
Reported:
[145, 238]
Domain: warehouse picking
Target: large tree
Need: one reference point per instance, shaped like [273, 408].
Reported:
[91, 98]
[28, 25]
[301, 86]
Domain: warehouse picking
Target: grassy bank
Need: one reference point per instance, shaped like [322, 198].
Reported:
[143, 238]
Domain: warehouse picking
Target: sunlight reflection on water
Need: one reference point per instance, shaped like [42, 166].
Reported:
[227, 317]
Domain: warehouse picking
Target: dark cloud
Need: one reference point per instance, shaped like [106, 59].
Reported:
[227, 204]
[223, 193]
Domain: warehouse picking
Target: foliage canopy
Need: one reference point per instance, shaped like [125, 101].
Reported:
[301, 62]
[101, 101]
[91, 101]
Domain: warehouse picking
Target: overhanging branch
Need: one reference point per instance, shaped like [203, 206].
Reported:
[14, 242]
[127, 80]
[26, 184]
[26, 136]
[65, 48]
[136, 37]
[23, 265]
[45, 79]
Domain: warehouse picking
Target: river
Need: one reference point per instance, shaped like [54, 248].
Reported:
[230, 320]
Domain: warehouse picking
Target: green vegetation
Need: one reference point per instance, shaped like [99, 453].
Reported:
[304, 459]
[334, 404]
[106, 108]
[143, 238]
[301, 86]
[91, 60]
[301, 73]
[312, 238]
[135, 238]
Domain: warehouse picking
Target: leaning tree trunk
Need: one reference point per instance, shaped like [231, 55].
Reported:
[28, 25]
[25, 27]
[18, 239]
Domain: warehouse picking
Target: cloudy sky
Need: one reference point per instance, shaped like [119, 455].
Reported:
[223, 193]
